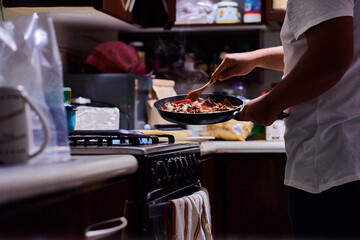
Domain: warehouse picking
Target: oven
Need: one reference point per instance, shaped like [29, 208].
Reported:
[167, 170]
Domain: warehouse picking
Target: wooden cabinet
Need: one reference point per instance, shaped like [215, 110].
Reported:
[207, 168]
[275, 10]
[248, 196]
[155, 13]
[64, 215]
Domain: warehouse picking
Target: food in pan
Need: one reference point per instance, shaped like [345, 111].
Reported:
[199, 106]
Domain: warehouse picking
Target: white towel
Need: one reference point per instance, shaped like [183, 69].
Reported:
[191, 218]
[178, 219]
[195, 226]
[206, 214]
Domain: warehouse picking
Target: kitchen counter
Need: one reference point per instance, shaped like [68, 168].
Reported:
[256, 146]
[24, 181]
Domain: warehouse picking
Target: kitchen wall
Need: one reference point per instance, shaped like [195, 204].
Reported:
[76, 43]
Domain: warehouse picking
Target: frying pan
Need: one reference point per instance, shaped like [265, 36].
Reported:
[203, 118]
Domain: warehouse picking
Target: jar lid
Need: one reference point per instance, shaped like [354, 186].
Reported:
[227, 4]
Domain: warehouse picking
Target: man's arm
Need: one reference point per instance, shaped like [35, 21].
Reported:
[329, 54]
[239, 64]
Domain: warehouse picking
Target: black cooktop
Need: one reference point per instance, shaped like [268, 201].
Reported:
[122, 142]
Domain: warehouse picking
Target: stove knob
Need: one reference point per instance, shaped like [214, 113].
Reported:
[172, 168]
[196, 163]
[187, 169]
[180, 172]
[161, 172]
[185, 166]
[196, 160]
[193, 165]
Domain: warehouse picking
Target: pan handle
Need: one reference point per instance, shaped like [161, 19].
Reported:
[283, 115]
[236, 115]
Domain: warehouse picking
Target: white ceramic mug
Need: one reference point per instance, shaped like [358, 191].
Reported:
[14, 127]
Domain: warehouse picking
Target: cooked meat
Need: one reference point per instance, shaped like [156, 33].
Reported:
[226, 103]
[209, 102]
[199, 106]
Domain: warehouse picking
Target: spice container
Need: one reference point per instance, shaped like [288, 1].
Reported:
[70, 116]
[275, 132]
[227, 12]
[252, 11]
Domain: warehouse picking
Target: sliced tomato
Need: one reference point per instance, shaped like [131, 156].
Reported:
[183, 101]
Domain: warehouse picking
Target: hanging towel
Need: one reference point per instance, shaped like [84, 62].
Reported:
[191, 218]
[178, 219]
[195, 227]
[206, 214]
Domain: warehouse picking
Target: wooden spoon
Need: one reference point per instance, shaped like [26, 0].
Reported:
[195, 94]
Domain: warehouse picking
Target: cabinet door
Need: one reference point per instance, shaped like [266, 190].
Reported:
[155, 13]
[64, 215]
[145, 13]
[207, 168]
[275, 10]
[251, 197]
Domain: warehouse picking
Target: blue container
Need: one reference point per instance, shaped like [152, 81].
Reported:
[70, 115]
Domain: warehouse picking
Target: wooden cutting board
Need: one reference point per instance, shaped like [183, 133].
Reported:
[175, 133]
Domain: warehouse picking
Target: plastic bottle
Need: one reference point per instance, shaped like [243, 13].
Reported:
[252, 11]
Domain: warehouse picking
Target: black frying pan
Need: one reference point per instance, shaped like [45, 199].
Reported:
[202, 118]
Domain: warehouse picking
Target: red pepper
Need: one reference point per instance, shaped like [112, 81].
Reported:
[205, 107]
[183, 101]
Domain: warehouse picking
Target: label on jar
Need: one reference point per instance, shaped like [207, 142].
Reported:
[253, 6]
[227, 14]
[252, 11]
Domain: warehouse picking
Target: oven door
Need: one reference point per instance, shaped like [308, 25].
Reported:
[160, 211]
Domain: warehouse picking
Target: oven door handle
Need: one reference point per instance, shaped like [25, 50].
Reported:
[160, 209]
[93, 232]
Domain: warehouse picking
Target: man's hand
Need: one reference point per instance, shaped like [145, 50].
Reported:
[235, 64]
[260, 111]
[240, 64]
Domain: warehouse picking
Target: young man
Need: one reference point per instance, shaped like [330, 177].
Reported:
[320, 57]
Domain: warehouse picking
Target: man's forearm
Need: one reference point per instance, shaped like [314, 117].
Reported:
[305, 82]
[270, 58]
[320, 67]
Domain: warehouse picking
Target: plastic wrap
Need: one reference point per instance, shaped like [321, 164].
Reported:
[195, 12]
[29, 58]
[97, 118]
[231, 130]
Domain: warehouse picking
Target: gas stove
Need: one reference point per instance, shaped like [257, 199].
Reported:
[123, 142]
[166, 170]
[163, 163]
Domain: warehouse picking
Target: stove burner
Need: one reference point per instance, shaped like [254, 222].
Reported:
[114, 138]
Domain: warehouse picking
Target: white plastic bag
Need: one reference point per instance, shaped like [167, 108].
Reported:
[29, 57]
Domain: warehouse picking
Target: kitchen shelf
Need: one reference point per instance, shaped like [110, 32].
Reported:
[207, 28]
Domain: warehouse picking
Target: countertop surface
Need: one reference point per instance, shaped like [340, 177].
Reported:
[256, 146]
[26, 181]
[23, 181]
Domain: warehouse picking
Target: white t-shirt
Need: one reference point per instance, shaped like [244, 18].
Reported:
[322, 136]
